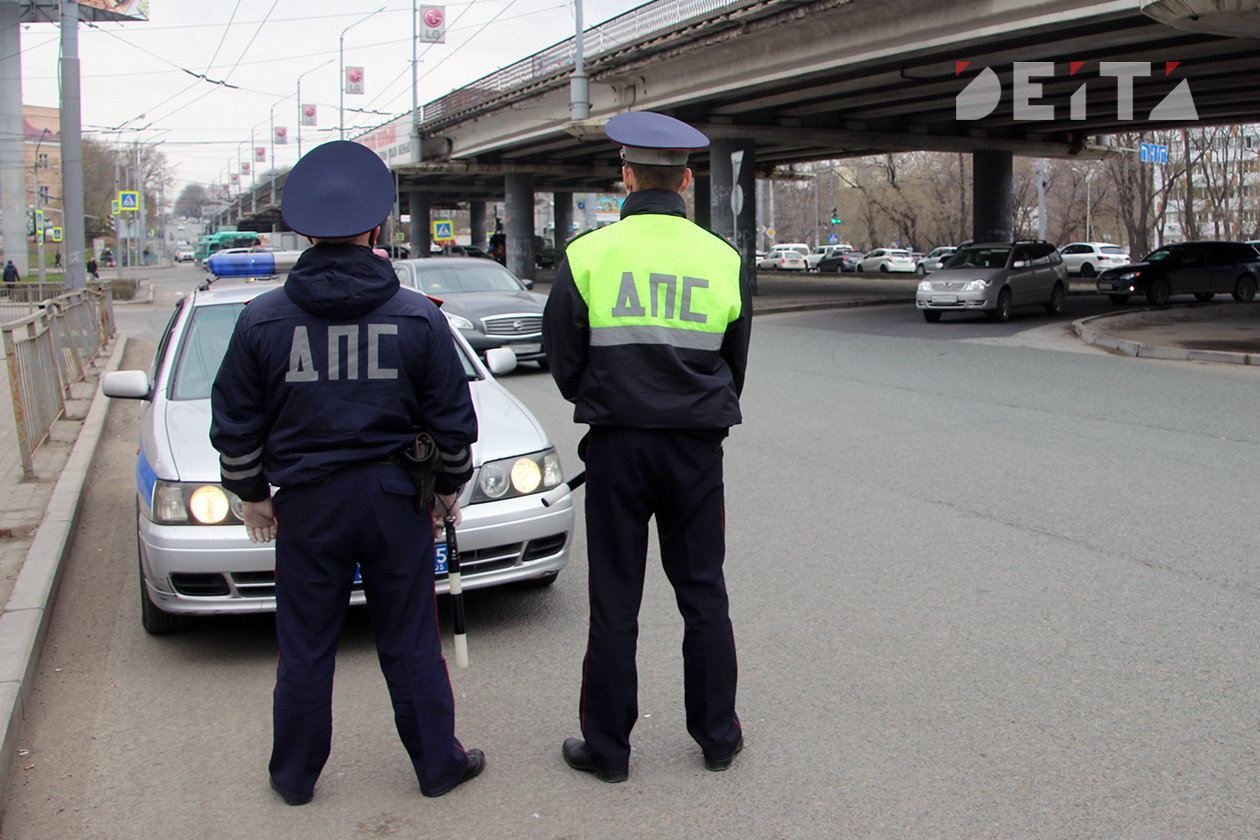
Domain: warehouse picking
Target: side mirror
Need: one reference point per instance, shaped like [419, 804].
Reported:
[126, 384]
[1020, 264]
[528, 284]
[501, 360]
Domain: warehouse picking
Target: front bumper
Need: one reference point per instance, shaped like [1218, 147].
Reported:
[953, 300]
[216, 570]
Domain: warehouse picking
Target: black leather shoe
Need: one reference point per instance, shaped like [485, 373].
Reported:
[578, 756]
[289, 800]
[719, 764]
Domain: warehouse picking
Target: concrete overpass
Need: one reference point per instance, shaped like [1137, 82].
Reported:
[776, 82]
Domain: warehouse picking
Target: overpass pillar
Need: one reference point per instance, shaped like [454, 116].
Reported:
[564, 218]
[702, 186]
[519, 229]
[992, 198]
[477, 223]
[420, 204]
[732, 198]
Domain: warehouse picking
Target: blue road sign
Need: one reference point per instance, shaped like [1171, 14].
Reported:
[833, 239]
[128, 200]
[1153, 153]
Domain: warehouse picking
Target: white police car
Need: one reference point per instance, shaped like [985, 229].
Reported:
[195, 557]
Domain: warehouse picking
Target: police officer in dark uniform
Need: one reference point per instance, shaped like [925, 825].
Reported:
[324, 381]
[646, 330]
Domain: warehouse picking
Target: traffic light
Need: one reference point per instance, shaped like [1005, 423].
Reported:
[835, 217]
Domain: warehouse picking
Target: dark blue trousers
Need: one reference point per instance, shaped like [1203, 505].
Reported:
[363, 515]
[633, 475]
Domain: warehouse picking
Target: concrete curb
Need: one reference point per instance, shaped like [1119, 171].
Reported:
[1093, 330]
[24, 622]
[824, 304]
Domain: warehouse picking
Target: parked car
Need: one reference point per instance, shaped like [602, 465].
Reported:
[841, 261]
[1089, 258]
[782, 258]
[185, 255]
[1202, 269]
[820, 253]
[885, 260]
[195, 556]
[483, 300]
[993, 278]
[933, 259]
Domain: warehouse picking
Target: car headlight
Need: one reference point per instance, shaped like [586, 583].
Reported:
[925, 285]
[192, 503]
[976, 286]
[1132, 275]
[520, 476]
[459, 322]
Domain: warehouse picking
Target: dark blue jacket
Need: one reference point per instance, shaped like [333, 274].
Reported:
[339, 367]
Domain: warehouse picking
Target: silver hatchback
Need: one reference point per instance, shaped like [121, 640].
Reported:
[195, 557]
[993, 278]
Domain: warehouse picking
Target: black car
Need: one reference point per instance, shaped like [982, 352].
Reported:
[1202, 269]
[839, 262]
[484, 301]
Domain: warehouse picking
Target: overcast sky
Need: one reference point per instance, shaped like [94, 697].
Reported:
[140, 80]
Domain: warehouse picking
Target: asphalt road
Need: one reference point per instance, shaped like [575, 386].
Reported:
[987, 582]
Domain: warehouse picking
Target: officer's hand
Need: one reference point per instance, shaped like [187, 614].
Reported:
[444, 506]
[260, 521]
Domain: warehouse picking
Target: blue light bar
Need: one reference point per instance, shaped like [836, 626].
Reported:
[252, 263]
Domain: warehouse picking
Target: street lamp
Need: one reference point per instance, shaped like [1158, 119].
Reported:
[1089, 222]
[299, 100]
[271, 122]
[341, 73]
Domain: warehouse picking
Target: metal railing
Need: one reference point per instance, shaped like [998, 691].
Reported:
[46, 352]
[633, 26]
[25, 297]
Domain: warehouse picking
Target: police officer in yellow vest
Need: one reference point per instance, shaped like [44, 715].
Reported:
[646, 331]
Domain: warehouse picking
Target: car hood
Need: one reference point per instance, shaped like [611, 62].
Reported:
[506, 429]
[963, 275]
[489, 304]
[1131, 267]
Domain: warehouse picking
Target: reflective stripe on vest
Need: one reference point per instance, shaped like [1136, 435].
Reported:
[656, 279]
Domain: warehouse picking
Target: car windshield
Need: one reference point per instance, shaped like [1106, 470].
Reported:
[899, 253]
[979, 258]
[205, 342]
[438, 279]
[1111, 249]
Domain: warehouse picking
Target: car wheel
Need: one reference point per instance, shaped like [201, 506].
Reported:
[859, 269]
[931, 316]
[1002, 313]
[1118, 298]
[155, 621]
[1055, 305]
[1245, 288]
[1204, 297]
[920, 270]
[1158, 293]
[883, 268]
[1087, 270]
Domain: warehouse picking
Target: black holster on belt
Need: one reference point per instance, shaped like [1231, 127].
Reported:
[420, 459]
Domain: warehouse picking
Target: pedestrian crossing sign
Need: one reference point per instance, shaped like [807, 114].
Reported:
[444, 231]
[128, 200]
[55, 234]
[114, 208]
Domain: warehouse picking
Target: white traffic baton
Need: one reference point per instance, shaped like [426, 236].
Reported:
[559, 492]
[457, 594]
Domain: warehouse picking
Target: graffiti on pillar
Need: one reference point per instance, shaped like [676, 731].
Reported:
[737, 192]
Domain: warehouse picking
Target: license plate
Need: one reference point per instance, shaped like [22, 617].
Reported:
[439, 563]
[525, 349]
[944, 298]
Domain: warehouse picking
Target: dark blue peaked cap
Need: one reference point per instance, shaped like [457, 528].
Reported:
[655, 139]
[337, 189]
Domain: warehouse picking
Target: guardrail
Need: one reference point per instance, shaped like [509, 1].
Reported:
[633, 26]
[46, 352]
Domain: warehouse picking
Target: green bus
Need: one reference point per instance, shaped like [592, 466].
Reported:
[224, 239]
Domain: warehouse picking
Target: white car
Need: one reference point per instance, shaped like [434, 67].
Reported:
[783, 258]
[1090, 258]
[885, 260]
[195, 557]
